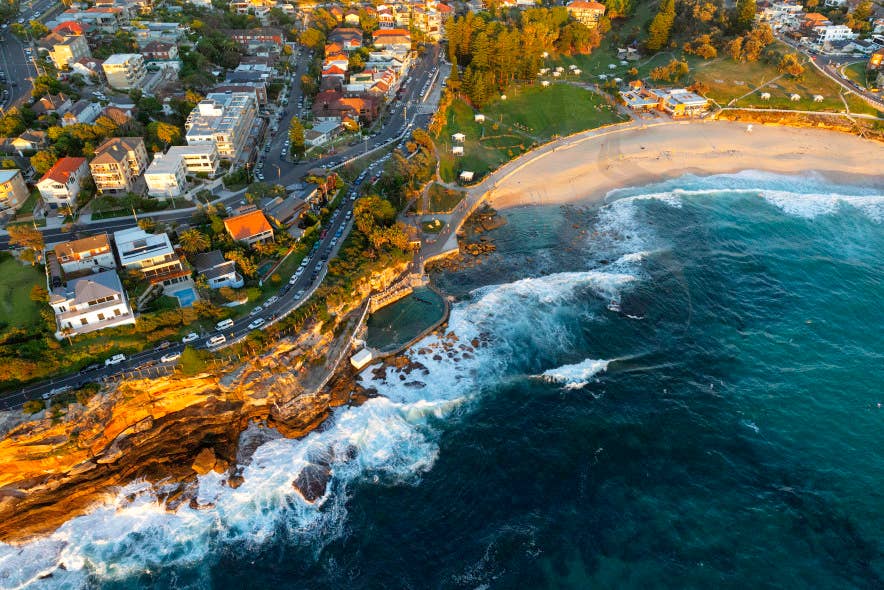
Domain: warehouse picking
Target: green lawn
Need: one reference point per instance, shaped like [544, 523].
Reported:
[857, 72]
[531, 115]
[16, 307]
[443, 200]
[728, 80]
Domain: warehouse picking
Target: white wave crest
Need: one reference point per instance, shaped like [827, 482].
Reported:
[809, 206]
[576, 376]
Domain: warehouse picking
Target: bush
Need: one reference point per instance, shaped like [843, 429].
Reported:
[193, 361]
[85, 393]
[32, 406]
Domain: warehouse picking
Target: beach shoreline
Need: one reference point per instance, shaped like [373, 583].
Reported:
[588, 166]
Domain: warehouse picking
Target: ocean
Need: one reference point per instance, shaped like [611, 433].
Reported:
[681, 387]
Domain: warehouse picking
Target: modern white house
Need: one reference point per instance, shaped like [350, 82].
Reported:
[150, 254]
[828, 33]
[197, 158]
[92, 253]
[165, 177]
[90, 303]
[60, 185]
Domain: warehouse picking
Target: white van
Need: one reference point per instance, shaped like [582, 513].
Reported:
[216, 341]
[224, 324]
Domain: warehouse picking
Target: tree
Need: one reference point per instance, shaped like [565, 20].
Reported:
[193, 241]
[42, 161]
[25, 236]
[790, 64]
[39, 294]
[661, 26]
[192, 362]
[744, 15]
[245, 263]
[296, 136]
[32, 406]
[858, 20]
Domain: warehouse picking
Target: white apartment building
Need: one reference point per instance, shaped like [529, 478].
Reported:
[829, 33]
[118, 163]
[150, 254]
[165, 177]
[125, 70]
[223, 119]
[197, 158]
[69, 50]
[91, 303]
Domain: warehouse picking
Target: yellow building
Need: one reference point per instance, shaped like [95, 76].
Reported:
[13, 191]
[588, 13]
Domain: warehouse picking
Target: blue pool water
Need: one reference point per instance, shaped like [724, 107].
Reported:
[185, 297]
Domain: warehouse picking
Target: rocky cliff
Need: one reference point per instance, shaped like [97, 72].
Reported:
[54, 468]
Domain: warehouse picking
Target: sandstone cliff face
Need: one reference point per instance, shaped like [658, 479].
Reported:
[170, 428]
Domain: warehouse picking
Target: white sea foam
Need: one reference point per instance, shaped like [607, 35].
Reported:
[576, 376]
[390, 439]
[810, 206]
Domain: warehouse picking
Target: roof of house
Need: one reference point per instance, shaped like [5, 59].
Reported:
[96, 242]
[582, 5]
[157, 47]
[243, 227]
[69, 27]
[116, 114]
[116, 149]
[391, 33]
[7, 175]
[212, 264]
[90, 288]
[61, 171]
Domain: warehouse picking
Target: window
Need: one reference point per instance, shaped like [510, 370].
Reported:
[117, 312]
[84, 321]
[100, 317]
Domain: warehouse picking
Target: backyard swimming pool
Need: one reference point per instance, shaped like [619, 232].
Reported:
[185, 297]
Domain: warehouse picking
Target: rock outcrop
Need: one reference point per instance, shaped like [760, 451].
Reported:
[172, 429]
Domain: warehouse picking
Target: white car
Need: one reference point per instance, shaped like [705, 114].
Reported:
[271, 300]
[258, 309]
[256, 324]
[115, 360]
[190, 337]
[172, 356]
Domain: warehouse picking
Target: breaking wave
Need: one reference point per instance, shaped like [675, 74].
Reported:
[575, 376]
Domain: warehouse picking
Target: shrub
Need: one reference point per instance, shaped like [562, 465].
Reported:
[32, 406]
[193, 361]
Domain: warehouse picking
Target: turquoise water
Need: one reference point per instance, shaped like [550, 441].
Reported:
[681, 388]
[393, 326]
[185, 297]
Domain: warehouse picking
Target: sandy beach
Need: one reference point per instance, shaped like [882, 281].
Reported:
[588, 166]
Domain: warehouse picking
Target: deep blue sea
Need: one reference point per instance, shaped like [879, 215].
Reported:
[682, 387]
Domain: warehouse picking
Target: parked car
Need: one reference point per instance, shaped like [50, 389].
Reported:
[172, 356]
[56, 391]
[257, 323]
[271, 300]
[115, 360]
[258, 309]
[190, 338]
[163, 345]
[224, 324]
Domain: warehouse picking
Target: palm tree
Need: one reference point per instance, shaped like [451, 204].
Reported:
[193, 241]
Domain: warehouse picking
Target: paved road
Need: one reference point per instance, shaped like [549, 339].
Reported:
[292, 294]
[17, 66]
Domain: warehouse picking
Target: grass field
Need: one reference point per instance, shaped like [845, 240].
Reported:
[443, 200]
[531, 115]
[857, 72]
[16, 307]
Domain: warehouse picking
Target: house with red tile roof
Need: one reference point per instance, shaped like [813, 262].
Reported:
[61, 184]
[251, 228]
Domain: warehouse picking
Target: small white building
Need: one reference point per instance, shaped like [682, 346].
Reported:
[467, 176]
[818, 98]
[544, 83]
[765, 96]
[90, 303]
[795, 97]
[457, 150]
[459, 137]
[479, 118]
[361, 358]
[165, 177]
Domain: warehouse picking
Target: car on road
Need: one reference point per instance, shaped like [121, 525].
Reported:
[224, 324]
[163, 345]
[190, 338]
[257, 323]
[57, 390]
[271, 300]
[216, 341]
[90, 368]
[317, 268]
[172, 356]
[258, 309]
[299, 294]
[294, 278]
[115, 360]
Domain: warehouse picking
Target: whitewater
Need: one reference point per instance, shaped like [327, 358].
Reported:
[493, 336]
